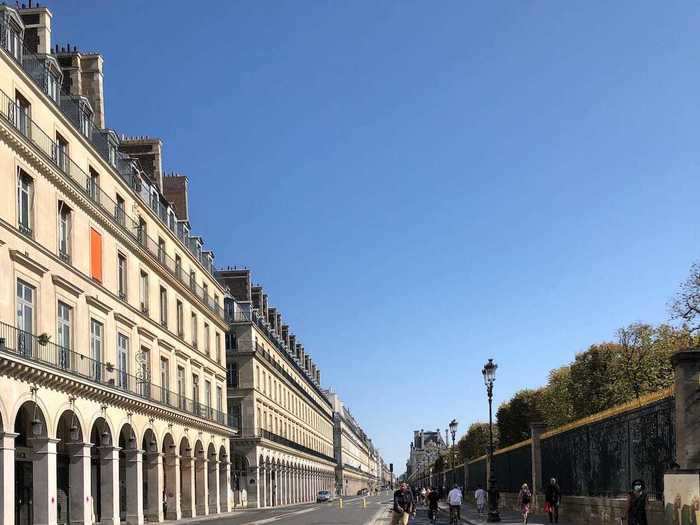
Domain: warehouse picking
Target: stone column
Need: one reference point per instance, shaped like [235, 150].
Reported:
[536, 431]
[153, 473]
[225, 502]
[213, 483]
[686, 365]
[80, 493]
[45, 483]
[7, 477]
[262, 487]
[187, 486]
[109, 490]
[172, 487]
[134, 486]
[201, 486]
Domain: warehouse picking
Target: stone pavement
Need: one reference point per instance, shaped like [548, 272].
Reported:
[472, 517]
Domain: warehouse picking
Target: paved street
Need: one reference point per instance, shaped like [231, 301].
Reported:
[352, 513]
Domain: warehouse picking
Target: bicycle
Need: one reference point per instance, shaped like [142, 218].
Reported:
[432, 515]
[453, 515]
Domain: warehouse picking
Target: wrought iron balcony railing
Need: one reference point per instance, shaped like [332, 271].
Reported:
[39, 350]
[86, 185]
[271, 436]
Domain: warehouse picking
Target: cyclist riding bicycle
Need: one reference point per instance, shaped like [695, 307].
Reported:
[454, 500]
[433, 498]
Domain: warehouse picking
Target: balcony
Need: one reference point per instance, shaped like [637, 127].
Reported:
[19, 343]
[87, 186]
[270, 436]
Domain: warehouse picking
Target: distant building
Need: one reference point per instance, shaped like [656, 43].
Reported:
[424, 450]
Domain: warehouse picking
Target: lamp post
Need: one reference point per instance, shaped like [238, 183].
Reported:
[453, 432]
[489, 373]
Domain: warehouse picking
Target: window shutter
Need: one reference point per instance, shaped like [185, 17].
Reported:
[95, 255]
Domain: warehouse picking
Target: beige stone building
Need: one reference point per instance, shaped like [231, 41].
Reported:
[112, 374]
[284, 452]
[354, 454]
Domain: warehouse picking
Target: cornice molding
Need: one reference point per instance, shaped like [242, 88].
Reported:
[23, 259]
[121, 318]
[94, 301]
[147, 333]
[68, 286]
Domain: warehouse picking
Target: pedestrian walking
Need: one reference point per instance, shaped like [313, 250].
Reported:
[637, 504]
[433, 498]
[404, 506]
[423, 494]
[454, 500]
[481, 497]
[524, 499]
[552, 498]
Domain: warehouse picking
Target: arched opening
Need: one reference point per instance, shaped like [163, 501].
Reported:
[268, 482]
[262, 485]
[213, 479]
[171, 503]
[200, 480]
[152, 493]
[239, 475]
[224, 498]
[104, 472]
[72, 461]
[186, 479]
[130, 476]
[33, 462]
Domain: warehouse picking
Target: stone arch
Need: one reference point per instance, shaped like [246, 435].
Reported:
[104, 465]
[171, 479]
[71, 455]
[212, 475]
[28, 398]
[130, 486]
[103, 420]
[200, 480]
[152, 490]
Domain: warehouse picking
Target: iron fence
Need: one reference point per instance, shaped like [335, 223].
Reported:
[604, 457]
[513, 468]
[476, 474]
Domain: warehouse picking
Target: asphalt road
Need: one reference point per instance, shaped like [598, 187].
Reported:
[352, 513]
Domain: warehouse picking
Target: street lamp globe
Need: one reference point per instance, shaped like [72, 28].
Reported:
[453, 428]
[489, 372]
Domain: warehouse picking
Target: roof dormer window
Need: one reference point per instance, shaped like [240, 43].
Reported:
[85, 115]
[13, 39]
[52, 86]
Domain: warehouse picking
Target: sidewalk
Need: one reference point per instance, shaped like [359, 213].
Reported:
[472, 517]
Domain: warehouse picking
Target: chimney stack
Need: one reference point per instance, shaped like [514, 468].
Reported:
[37, 29]
[149, 152]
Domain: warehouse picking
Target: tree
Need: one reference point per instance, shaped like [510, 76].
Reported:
[593, 380]
[686, 305]
[515, 417]
[475, 442]
[555, 398]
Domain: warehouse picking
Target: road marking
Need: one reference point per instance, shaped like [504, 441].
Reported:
[281, 516]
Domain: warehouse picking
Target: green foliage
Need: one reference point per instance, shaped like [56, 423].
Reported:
[475, 442]
[605, 375]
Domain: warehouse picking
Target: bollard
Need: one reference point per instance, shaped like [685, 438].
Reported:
[340, 503]
[364, 503]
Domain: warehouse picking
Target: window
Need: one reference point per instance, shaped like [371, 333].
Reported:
[161, 250]
[154, 200]
[64, 232]
[180, 318]
[60, 153]
[207, 396]
[25, 203]
[181, 387]
[218, 347]
[164, 380]
[143, 231]
[112, 148]
[20, 114]
[230, 340]
[194, 330]
[96, 331]
[85, 120]
[122, 361]
[193, 280]
[171, 220]
[219, 402]
[178, 266]
[205, 292]
[206, 338]
[120, 211]
[52, 86]
[121, 275]
[195, 392]
[145, 372]
[63, 333]
[25, 317]
[143, 292]
[13, 40]
[93, 185]
[95, 255]
[163, 306]
[232, 374]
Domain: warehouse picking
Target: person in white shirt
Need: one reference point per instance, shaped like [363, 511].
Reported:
[454, 500]
[480, 496]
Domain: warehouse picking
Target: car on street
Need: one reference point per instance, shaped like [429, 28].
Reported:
[363, 492]
[323, 496]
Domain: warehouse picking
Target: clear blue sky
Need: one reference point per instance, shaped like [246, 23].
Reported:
[423, 185]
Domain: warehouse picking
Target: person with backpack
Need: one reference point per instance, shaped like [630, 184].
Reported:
[524, 499]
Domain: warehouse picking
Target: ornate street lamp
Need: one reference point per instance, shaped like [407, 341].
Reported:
[453, 432]
[489, 373]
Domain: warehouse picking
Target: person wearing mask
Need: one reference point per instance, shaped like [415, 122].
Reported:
[404, 505]
[481, 497]
[552, 498]
[454, 500]
[524, 499]
[637, 504]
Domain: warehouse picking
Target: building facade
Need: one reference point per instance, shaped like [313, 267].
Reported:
[112, 324]
[356, 468]
[284, 452]
[425, 448]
